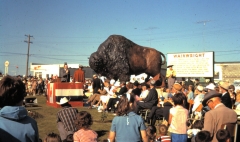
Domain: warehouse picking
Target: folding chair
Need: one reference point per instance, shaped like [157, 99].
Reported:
[144, 113]
[232, 128]
[235, 132]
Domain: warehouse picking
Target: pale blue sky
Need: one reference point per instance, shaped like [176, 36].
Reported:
[69, 31]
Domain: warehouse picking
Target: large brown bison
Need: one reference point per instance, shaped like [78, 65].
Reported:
[118, 58]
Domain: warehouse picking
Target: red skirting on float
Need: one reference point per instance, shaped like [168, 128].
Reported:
[72, 91]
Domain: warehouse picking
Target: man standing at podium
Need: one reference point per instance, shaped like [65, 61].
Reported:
[79, 75]
[65, 74]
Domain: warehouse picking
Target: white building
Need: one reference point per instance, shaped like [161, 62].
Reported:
[47, 70]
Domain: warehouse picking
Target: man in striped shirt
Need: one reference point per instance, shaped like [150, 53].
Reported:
[65, 119]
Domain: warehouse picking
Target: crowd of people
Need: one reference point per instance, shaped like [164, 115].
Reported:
[189, 112]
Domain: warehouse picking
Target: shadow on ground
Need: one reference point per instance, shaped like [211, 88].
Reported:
[101, 132]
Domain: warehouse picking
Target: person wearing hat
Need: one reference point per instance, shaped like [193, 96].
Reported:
[198, 99]
[79, 75]
[210, 87]
[65, 119]
[65, 74]
[150, 101]
[177, 88]
[226, 99]
[171, 76]
[219, 114]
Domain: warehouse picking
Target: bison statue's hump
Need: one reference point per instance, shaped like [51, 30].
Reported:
[118, 58]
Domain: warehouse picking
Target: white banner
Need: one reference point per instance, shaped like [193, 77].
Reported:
[68, 92]
[199, 64]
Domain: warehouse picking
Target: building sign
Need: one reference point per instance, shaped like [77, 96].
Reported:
[199, 64]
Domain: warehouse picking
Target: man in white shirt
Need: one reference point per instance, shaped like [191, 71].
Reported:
[145, 91]
[198, 101]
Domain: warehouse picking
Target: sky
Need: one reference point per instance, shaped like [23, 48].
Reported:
[70, 31]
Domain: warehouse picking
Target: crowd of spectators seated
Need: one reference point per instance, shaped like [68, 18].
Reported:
[190, 113]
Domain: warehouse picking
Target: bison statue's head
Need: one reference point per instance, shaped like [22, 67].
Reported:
[110, 59]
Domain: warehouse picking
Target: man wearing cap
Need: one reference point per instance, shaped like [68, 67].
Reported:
[199, 98]
[218, 115]
[79, 75]
[210, 87]
[65, 74]
[226, 99]
[151, 99]
[177, 88]
[65, 119]
[171, 75]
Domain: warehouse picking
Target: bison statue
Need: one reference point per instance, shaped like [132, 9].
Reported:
[118, 58]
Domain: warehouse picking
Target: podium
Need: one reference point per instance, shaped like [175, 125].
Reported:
[72, 91]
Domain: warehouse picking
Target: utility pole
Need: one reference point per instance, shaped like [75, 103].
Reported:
[28, 41]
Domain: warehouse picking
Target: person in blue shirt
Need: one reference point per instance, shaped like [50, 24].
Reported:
[15, 124]
[127, 125]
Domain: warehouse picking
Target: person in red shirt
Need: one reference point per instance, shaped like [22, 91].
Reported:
[79, 75]
[83, 122]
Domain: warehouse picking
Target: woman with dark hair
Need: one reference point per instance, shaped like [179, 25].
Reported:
[15, 124]
[127, 125]
[178, 119]
[151, 133]
[84, 134]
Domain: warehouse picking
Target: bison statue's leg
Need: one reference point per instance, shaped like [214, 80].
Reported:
[147, 78]
[160, 80]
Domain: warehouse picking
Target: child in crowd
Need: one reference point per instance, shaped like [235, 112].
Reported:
[196, 127]
[52, 137]
[163, 134]
[178, 125]
[151, 133]
[203, 136]
[223, 135]
[84, 134]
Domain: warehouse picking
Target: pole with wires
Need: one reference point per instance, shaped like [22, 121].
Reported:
[28, 41]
